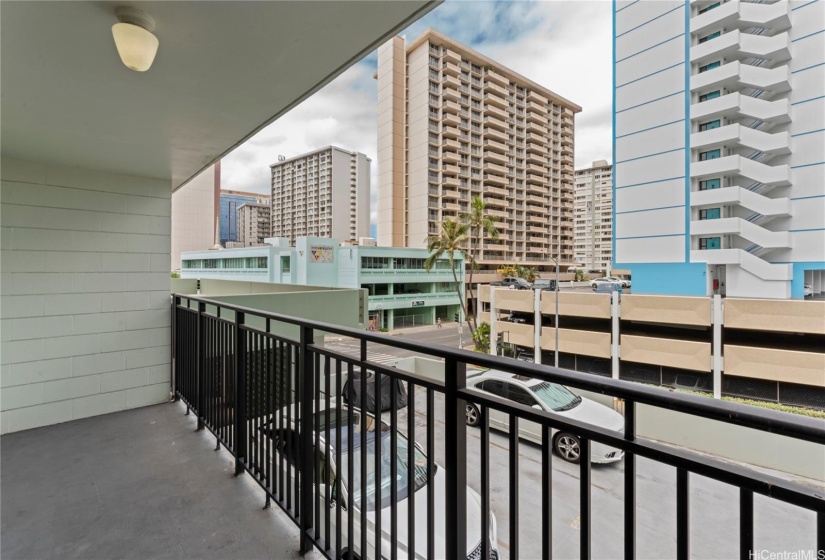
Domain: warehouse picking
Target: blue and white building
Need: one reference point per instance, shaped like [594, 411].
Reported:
[400, 291]
[719, 146]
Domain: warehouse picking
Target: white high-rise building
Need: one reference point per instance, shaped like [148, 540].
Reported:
[719, 146]
[593, 215]
[325, 193]
[254, 223]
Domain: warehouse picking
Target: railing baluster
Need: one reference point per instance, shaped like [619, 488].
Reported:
[338, 469]
[331, 415]
[240, 393]
[629, 483]
[513, 487]
[546, 492]
[584, 498]
[430, 473]
[363, 485]
[411, 471]
[682, 515]
[485, 482]
[306, 426]
[455, 447]
[745, 524]
[199, 366]
[378, 444]
[351, 463]
[394, 468]
[316, 448]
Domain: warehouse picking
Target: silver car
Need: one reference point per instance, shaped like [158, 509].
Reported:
[333, 488]
[554, 399]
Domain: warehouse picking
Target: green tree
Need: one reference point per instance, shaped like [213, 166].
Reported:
[451, 240]
[529, 273]
[481, 338]
[479, 223]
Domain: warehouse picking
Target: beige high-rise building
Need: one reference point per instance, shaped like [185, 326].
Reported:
[195, 214]
[253, 223]
[325, 193]
[593, 208]
[453, 124]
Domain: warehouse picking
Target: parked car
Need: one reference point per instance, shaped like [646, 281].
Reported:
[808, 291]
[599, 281]
[554, 399]
[544, 284]
[513, 283]
[328, 419]
[624, 283]
[520, 318]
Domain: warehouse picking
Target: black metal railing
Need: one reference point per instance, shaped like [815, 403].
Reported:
[275, 398]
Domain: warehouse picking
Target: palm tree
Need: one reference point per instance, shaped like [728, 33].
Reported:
[451, 240]
[479, 223]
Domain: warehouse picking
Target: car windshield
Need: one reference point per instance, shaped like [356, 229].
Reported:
[340, 423]
[555, 396]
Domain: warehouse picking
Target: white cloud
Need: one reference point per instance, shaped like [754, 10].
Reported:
[562, 45]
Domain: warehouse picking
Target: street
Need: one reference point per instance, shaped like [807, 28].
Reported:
[714, 514]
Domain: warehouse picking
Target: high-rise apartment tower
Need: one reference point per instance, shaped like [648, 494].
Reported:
[593, 213]
[453, 124]
[719, 146]
[253, 223]
[325, 193]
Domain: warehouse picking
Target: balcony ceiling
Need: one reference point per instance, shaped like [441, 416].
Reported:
[223, 71]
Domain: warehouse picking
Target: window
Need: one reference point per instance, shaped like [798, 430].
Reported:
[520, 395]
[710, 184]
[707, 38]
[710, 154]
[710, 95]
[710, 66]
[710, 214]
[710, 7]
[495, 387]
[709, 125]
[706, 243]
[285, 261]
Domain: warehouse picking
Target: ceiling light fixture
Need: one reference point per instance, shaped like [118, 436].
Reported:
[135, 43]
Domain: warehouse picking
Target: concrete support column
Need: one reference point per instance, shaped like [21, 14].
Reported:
[493, 345]
[717, 318]
[478, 304]
[615, 310]
[537, 326]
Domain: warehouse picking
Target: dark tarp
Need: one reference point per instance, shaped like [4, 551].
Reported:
[390, 388]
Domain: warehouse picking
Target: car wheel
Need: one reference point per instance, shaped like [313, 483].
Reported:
[568, 447]
[594, 285]
[473, 415]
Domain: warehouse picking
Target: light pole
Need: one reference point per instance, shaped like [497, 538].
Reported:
[556, 322]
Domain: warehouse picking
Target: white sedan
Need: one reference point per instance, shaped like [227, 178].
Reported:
[596, 282]
[623, 282]
[555, 399]
[332, 481]
[807, 290]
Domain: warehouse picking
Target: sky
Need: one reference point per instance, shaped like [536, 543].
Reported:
[563, 45]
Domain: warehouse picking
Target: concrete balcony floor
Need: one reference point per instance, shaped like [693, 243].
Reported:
[134, 484]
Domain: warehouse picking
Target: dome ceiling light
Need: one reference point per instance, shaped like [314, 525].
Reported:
[135, 43]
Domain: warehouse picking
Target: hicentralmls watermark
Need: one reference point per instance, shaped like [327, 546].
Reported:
[787, 555]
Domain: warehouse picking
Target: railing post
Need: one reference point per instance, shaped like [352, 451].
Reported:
[306, 381]
[174, 364]
[718, 321]
[199, 397]
[455, 429]
[240, 393]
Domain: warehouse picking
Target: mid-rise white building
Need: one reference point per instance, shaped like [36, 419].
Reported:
[253, 224]
[325, 193]
[593, 215]
[719, 146]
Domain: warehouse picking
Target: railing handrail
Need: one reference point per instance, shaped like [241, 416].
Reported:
[781, 423]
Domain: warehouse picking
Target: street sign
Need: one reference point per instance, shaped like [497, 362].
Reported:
[418, 303]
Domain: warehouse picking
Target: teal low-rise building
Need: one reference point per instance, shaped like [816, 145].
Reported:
[401, 292]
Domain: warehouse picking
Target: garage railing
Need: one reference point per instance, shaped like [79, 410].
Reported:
[358, 484]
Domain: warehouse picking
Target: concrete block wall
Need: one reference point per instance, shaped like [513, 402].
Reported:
[84, 293]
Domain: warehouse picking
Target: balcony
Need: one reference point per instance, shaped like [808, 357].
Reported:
[491, 145]
[451, 69]
[732, 134]
[735, 75]
[737, 196]
[498, 79]
[495, 156]
[734, 106]
[495, 168]
[738, 165]
[495, 134]
[738, 45]
[537, 108]
[495, 99]
[492, 179]
[744, 15]
[496, 123]
[451, 132]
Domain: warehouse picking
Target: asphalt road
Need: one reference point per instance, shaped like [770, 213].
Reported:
[714, 515]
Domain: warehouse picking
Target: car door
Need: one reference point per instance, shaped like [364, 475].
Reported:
[527, 430]
[497, 387]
